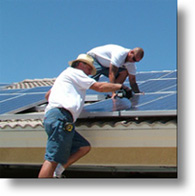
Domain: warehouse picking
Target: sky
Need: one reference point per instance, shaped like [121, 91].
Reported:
[39, 37]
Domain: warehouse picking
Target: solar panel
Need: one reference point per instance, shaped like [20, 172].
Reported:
[92, 95]
[139, 100]
[172, 74]
[143, 76]
[155, 85]
[165, 102]
[21, 102]
[42, 89]
[6, 96]
[8, 91]
[153, 104]
[108, 107]
[160, 98]
[17, 100]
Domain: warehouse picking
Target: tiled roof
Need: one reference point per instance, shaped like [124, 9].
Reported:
[28, 83]
[95, 123]
[22, 123]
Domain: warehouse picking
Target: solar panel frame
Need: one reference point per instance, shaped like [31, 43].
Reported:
[92, 96]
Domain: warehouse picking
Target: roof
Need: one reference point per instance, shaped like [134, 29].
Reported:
[31, 83]
[124, 131]
[29, 119]
[33, 121]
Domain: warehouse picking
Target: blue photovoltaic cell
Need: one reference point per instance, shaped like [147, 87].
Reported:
[139, 103]
[171, 75]
[165, 103]
[138, 100]
[5, 97]
[150, 75]
[136, 103]
[157, 85]
[38, 89]
[108, 105]
[172, 88]
[141, 76]
[42, 89]
[8, 91]
[16, 100]
[21, 102]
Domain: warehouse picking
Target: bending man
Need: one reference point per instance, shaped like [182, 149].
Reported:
[117, 62]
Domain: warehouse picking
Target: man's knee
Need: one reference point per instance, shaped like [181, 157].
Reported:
[121, 76]
[124, 73]
[85, 149]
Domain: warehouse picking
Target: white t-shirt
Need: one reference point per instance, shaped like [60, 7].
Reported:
[69, 91]
[113, 54]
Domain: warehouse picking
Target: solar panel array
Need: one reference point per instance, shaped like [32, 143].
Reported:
[17, 100]
[160, 98]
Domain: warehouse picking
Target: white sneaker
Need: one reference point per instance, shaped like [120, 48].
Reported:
[59, 176]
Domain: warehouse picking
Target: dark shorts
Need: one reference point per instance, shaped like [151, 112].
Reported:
[61, 143]
[101, 70]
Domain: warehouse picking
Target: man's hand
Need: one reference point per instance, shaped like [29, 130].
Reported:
[126, 92]
[113, 95]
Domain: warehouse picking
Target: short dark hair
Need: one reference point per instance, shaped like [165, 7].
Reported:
[139, 51]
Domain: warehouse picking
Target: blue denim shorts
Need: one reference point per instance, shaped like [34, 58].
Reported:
[61, 143]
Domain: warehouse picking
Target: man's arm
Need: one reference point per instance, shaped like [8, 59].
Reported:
[105, 87]
[110, 87]
[133, 83]
[47, 95]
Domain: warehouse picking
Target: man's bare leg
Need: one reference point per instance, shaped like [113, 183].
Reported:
[73, 158]
[47, 169]
[77, 155]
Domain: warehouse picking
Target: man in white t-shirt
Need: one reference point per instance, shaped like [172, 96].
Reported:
[65, 102]
[117, 62]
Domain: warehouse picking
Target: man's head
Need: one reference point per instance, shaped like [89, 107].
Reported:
[85, 63]
[135, 55]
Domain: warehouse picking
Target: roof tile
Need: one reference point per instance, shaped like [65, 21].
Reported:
[28, 83]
